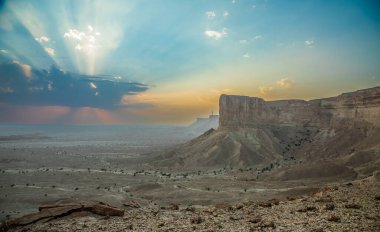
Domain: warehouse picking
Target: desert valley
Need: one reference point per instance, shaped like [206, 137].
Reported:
[284, 165]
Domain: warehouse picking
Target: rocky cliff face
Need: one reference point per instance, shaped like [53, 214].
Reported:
[337, 133]
[243, 112]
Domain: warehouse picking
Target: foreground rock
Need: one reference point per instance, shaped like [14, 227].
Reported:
[55, 211]
[246, 216]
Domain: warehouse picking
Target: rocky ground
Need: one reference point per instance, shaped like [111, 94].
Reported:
[352, 206]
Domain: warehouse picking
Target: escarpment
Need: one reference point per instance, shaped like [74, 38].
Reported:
[338, 132]
[243, 112]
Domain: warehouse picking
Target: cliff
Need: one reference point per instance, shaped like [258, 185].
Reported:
[336, 133]
[243, 112]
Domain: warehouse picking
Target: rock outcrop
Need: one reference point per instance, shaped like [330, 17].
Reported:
[242, 111]
[342, 131]
[50, 212]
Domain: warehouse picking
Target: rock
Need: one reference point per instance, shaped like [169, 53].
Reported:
[196, 219]
[269, 224]
[173, 207]
[306, 209]
[190, 209]
[333, 218]
[255, 219]
[265, 204]
[105, 210]
[132, 204]
[329, 206]
[236, 217]
[274, 201]
[50, 212]
[210, 210]
[353, 206]
[377, 198]
[242, 111]
[318, 230]
[239, 206]
[324, 199]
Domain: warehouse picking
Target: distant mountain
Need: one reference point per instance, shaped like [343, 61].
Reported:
[202, 125]
[339, 133]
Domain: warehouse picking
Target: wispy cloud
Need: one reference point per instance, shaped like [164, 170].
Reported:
[246, 55]
[86, 41]
[278, 90]
[42, 39]
[216, 34]
[309, 43]
[285, 83]
[265, 90]
[211, 14]
[50, 51]
[226, 14]
[257, 37]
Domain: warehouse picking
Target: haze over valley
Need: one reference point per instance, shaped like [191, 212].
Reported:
[242, 115]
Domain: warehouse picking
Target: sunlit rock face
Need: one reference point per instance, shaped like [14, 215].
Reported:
[343, 131]
[243, 112]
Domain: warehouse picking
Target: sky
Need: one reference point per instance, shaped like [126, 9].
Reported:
[168, 61]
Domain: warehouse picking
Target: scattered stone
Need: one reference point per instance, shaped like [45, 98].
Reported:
[333, 218]
[324, 199]
[307, 208]
[190, 209]
[370, 216]
[255, 219]
[377, 198]
[196, 219]
[353, 206]
[210, 210]
[173, 207]
[269, 224]
[265, 204]
[329, 206]
[274, 201]
[236, 217]
[318, 230]
[239, 206]
[290, 198]
[132, 204]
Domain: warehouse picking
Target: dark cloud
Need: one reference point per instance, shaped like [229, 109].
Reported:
[19, 84]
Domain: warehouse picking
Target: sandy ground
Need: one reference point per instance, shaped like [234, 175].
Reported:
[353, 206]
[32, 176]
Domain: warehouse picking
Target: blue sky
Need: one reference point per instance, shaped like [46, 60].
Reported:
[167, 61]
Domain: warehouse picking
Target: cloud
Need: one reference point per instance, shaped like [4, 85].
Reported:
[285, 83]
[210, 14]
[309, 43]
[226, 14]
[50, 51]
[85, 41]
[246, 55]
[21, 85]
[216, 34]
[26, 69]
[233, 1]
[258, 37]
[265, 90]
[92, 85]
[137, 101]
[278, 90]
[42, 39]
